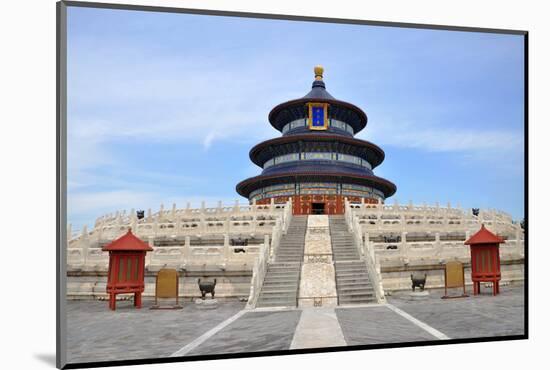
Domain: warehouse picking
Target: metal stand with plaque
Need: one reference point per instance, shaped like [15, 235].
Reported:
[454, 278]
[167, 286]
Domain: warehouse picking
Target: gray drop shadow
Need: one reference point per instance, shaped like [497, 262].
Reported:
[47, 358]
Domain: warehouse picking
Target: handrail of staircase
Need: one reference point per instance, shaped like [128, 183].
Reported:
[280, 229]
[258, 274]
[366, 253]
[266, 254]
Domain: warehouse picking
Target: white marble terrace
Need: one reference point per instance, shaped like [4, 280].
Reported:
[183, 238]
[411, 237]
[389, 237]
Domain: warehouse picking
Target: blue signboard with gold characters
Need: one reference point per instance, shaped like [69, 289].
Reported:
[318, 116]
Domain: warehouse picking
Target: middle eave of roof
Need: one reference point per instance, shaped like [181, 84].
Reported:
[257, 149]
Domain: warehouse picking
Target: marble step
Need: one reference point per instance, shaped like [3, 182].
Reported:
[353, 268]
[355, 288]
[340, 257]
[283, 267]
[275, 291]
[351, 263]
[290, 253]
[363, 284]
[351, 296]
[343, 301]
[362, 278]
[289, 259]
[280, 282]
[285, 285]
[283, 296]
[349, 269]
[276, 304]
[351, 274]
[282, 273]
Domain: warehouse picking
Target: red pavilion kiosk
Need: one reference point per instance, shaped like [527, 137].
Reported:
[484, 248]
[126, 267]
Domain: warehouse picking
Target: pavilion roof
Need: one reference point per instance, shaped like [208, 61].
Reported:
[484, 236]
[127, 242]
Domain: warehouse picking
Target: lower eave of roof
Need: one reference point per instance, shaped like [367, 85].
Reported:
[245, 187]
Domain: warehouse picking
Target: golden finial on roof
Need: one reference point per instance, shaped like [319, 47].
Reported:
[318, 72]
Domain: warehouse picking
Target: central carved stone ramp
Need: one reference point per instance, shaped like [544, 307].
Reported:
[281, 282]
[352, 279]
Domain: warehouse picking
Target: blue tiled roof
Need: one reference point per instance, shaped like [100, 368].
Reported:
[317, 166]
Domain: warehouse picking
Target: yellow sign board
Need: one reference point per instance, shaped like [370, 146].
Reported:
[167, 286]
[454, 278]
[454, 274]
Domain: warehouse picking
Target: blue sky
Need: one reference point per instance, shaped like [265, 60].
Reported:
[164, 108]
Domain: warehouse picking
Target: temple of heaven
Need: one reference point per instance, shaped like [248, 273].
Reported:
[317, 161]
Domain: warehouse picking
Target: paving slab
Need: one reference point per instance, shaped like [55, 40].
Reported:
[378, 324]
[255, 331]
[479, 316]
[95, 333]
[318, 328]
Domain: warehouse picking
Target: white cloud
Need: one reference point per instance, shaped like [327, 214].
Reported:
[441, 139]
[173, 95]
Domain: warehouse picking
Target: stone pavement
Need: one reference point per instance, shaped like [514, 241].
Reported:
[254, 331]
[318, 328]
[378, 324]
[473, 317]
[96, 333]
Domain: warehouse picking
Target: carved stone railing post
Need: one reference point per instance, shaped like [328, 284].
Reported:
[226, 250]
[404, 247]
[186, 255]
[148, 256]
[161, 212]
[254, 223]
[275, 237]
[202, 223]
[438, 246]
[266, 242]
[227, 223]
[84, 245]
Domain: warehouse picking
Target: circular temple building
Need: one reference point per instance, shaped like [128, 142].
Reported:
[317, 161]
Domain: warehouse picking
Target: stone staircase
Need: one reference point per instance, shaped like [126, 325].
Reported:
[280, 287]
[352, 279]
[291, 247]
[343, 247]
[282, 279]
